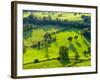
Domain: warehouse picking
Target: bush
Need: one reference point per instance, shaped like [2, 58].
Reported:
[75, 37]
[85, 53]
[75, 14]
[36, 61]
[89, 50]
[70, 39]
[58, 58]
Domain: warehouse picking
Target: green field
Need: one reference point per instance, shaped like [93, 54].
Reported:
[48, 56]
[70, 16]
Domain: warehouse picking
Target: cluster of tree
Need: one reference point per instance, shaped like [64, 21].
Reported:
[45, 42]
[87, 35]
[63, 53]
[65, 23]
[86, 32]
[28, 27]
[87, 52]
[71, 38]
[86, 19]
[49, 39]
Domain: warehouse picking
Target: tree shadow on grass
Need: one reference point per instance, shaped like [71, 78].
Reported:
[64, 62]
[76, 60]
[78, 44]
[56, 43]
[63, 55]
[72, 47]
[74, 63]
[46, 53]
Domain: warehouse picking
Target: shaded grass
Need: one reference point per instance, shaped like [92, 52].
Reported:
[56, 64]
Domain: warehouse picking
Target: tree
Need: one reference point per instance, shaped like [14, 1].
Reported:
[77, 56]
[59, 15]
[36, 61]
[75, 37]
[75, 14]
[87, 35]
[85, 53]
[86, 19]
[46, 45]
[89, 50]
[38, 44]
[63, 53]
[46, 36]
[49, 36]
[81, 33]
[70, 39]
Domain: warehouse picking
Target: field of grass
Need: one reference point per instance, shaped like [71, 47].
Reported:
[60, 15]
[31, 54]
[49, 58]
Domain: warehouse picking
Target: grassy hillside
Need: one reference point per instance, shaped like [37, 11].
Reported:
[54, 15]
[81, 45]
[48, 57]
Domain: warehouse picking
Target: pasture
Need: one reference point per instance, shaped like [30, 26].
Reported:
[41, 53]
[81, 45]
